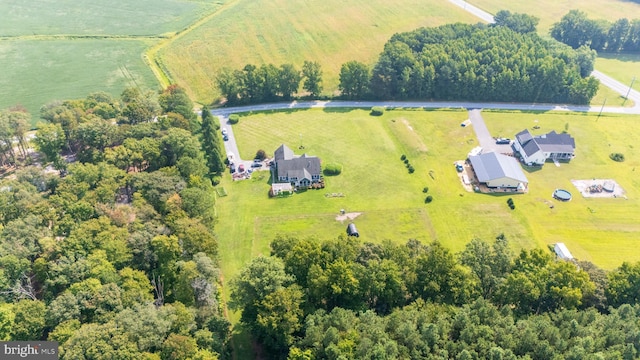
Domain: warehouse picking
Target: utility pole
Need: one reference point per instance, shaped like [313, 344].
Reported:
[629, 91]
[602, 108]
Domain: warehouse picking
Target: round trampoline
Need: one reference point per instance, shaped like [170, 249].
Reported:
[562, 195]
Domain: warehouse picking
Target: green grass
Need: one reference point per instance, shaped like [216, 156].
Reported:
[551, 11]
[622, 67]
[331, 32]
[94, 17]
[38, 72]
[376, 183]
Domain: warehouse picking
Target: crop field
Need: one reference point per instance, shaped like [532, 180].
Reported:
[94, 17]
[38, 72]
[67, 49]
[376, 183]
[551, 11]
[331, 32]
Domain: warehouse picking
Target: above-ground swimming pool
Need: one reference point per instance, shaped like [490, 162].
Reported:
[562, 195]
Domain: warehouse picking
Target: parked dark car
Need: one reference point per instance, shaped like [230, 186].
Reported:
[256, 165]
[232, 168]
[225, 137]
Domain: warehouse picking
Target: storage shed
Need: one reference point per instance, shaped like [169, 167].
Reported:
[352, 231]
[562, 251]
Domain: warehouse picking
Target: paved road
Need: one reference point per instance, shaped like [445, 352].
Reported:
[474, 10]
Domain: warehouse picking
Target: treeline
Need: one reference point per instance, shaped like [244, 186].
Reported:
[114, 256]
[269, 83]
[480, 63]
[506, 62]
[575, 30]
[352, 300]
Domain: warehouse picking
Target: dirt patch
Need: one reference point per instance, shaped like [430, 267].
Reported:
[599, 188]
[347, 216]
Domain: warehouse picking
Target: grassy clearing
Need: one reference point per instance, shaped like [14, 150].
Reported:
[600, 230]
[94, 17]
[331, 32]
[38, 72]
[622, 67]
[376, 183]
[551, 11]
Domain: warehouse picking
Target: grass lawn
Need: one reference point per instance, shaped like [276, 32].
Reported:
[622, 67]
[551, 11]
[38, 72]
[331, 32]
[95, 17]
[375, 182]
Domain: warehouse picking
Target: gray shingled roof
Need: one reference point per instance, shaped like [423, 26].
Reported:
[302, 167]
[283, 153]
[556, 143]
[551, 142]
[492, 166]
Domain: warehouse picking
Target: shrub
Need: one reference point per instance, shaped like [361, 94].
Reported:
[406, 161]
[234, 119]
[428, 199]
[617, 157]
[425, 189]
[411, 169]
[377, 111]
[332, 169]
[403, 157]
[510, 201]
[261, 154]
[512, 207]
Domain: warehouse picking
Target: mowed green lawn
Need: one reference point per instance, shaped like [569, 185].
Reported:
[551, 11]
[38, 72]
[375, 183]
[95, 17]
[331, 32]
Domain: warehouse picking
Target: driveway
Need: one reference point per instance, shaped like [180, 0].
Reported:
[231, 146]
[487, 142]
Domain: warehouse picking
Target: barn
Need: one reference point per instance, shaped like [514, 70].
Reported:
[498, 171]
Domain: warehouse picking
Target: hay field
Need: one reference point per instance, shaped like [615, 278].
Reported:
[331, 32]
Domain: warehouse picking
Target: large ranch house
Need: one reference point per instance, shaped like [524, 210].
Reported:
[299, 171]
[535, 150]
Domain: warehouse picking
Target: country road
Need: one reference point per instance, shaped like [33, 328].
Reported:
[615, 85]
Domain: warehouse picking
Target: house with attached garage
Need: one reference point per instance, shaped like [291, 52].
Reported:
[535, 150]
[299, 171]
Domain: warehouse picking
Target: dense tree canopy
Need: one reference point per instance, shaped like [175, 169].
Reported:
[343, 299]
[576, 29]
[116, 257]
[466, 62]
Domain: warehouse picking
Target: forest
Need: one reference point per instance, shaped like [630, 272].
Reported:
[109, 246]
[576, 29]
[344, 299]
[507, 62]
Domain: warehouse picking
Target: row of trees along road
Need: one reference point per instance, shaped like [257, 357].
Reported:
[507, 61]
[343, 299]
[576, 30]
[268, 83]
[115, 256]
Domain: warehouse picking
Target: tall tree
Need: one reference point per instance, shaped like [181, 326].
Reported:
[211, 144]
[521, 23]
[312, 73]
[354, 80]
[289, 81]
